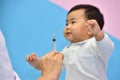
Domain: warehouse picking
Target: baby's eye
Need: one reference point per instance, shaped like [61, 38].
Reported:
[73, 22]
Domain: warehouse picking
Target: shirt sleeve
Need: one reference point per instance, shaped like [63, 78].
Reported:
[63, 52]
[105, 48]
[6, 70]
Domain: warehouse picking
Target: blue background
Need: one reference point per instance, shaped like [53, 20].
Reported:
[28, 26]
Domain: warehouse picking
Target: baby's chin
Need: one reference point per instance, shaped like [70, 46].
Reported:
[76, 40]
[69, 39]
[72, 40]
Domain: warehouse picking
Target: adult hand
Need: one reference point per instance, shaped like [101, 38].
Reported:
[50, 65]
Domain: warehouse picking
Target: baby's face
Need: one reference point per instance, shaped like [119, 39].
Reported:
[76, 30]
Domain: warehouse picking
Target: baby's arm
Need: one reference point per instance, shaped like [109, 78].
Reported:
[33, 60]
[94, 28]
[105, 46]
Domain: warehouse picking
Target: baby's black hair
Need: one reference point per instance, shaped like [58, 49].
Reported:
[91, 12]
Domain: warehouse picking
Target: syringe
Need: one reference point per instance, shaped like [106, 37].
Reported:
[54, 42]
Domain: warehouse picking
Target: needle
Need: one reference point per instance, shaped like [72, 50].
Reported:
[54, 42]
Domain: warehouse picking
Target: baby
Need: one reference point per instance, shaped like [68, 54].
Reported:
[86, 57]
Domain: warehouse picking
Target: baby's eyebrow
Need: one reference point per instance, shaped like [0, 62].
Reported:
[70, 19]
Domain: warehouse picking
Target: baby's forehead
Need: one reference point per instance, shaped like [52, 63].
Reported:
[75, 15]
[79, 12]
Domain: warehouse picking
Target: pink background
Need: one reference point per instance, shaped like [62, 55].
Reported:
[109, 8]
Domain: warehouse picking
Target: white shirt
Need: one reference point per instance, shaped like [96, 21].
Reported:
[6, 71]
[87, 60]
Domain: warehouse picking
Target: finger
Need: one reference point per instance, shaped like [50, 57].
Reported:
[30, 57]
[34, 56]
[59, 57]
[88, 23]
[91, 21]
[51, 54]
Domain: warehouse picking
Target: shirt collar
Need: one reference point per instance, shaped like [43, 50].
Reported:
[80, 43]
